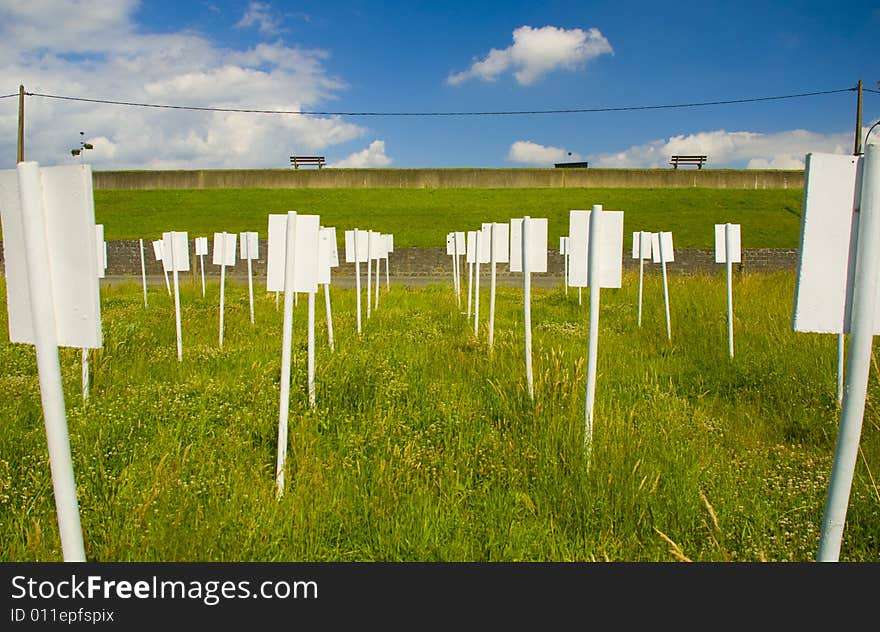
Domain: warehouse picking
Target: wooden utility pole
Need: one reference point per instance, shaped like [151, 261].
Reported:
[858, 145]
[20, 153]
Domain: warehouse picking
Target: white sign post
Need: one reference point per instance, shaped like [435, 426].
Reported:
[596, 246]
[224, 255]
[499, 249]
[663, 253]
[388, 249]
[450, 251]
[53, 299]
[175, 250]
[728, 250]
[328, 258]
[356, 245]
[641, 250]
[250, 249]
[563, 250]
[295, 267]
[201, 251]
[377, 248]
[471, 257]
[528, 253]
[836, 292]
[101, 261]
[482, 256]
[158, 248]
[143, 271]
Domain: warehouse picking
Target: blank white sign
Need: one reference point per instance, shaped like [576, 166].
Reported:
[450, 244]
[376, 246]
[721, 245]
[100, 250]
[610, 248]
[461, 241]
[224, 249]
[563, 245]
[641, 245]
[201, 246]
[537, 244]
[389, 244]
[663, 240]
[471, 254]
[363, 242]
[829, 230]
[305, 252]
[175, 251]
[157, 250]
[68, 208]
[249, 245]
[327, 257]
[502, 242]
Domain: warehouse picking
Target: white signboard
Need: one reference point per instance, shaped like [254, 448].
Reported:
[201, 246]
[100, 250]
[389, 244]
[661, 243]
[611, 248]
[485, 252]
[563, 246]
[224, 249]
[175, 251]
[642, 242]
[328, 258]
[537, 244]
[829, 231]
[157, 249]
[305, 249]
[68, 209]
[376, 245]
[249, 245]
[450, 244]
[721, 244]
[471, 254]
[363, 237]
[502, 242]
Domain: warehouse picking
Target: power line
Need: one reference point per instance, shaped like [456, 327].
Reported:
[412, 114]
[6, 96]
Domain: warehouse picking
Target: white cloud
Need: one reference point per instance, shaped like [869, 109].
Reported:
[372, 156]
[94, 49]
[537, 51]
[528, 152]
[780, 150]
[259, 14]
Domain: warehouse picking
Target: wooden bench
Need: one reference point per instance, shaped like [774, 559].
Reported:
[687, 160]
[296, 161]
[571, 165]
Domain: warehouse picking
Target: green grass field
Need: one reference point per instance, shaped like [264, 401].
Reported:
[420, 218]
[424, 445]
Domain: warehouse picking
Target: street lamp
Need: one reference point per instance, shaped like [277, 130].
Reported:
[82, 147]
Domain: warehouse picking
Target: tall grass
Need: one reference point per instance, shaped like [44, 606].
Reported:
[424, 444]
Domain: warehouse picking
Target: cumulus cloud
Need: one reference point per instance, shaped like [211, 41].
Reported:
[530, 153]
[259, 15]
[95, 49]
[372, 156]
[536, 52]
[752, 150]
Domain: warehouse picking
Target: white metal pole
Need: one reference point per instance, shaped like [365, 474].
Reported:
[143, 271]
[250, 280]
[286, 345]
[378, 282]
[48, 365]
[470, 287]
[593, 262]
[311, 349]
[387, 274]
[492, 286]
[641, 272]
[840, 361]
[202, 264]
[858, 365]
[222, 283]
[729, 260]
[85, 373]
[477, 284]
[565, 268]
[665, 287]
[329, 315]
[527, 304]
[456, 285]
[167, 282]
[369, 274]
[357, 277]
[176, 304]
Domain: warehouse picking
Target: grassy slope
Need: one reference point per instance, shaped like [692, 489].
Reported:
[422, 217]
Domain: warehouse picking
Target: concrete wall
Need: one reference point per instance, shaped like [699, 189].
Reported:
[449, 178]
[124, 261]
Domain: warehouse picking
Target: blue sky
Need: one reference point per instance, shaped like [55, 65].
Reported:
[435, 57]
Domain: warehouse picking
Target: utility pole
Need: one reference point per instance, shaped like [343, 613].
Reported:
[858, 146]
[20, 153]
